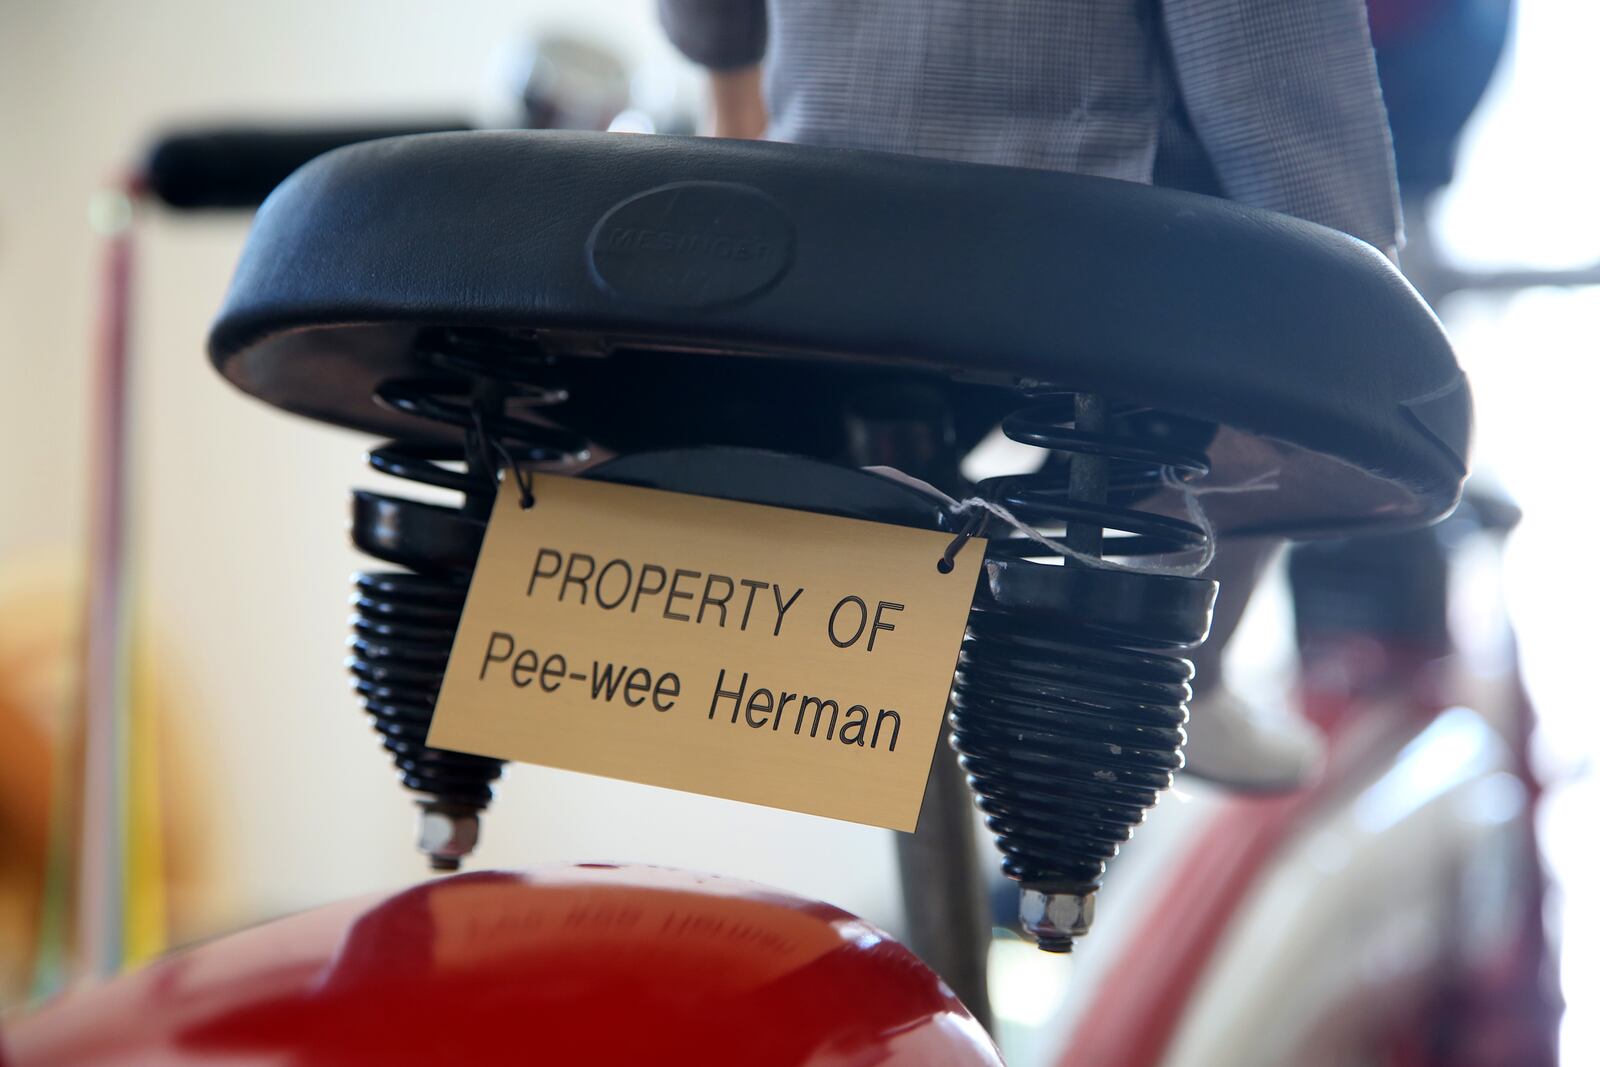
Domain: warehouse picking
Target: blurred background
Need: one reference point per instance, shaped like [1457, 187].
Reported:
[258, 788]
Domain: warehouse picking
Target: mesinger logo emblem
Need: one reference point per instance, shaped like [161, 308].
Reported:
[704, 244]
[692, 245]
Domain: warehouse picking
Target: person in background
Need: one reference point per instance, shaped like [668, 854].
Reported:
[1273, 103]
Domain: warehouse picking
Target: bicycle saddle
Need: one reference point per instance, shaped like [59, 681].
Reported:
[680, 257]
[759, 320]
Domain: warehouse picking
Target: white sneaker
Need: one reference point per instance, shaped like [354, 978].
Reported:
[1235, 746]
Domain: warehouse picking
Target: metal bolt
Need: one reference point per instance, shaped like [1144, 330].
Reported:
[1054, 919]
[447, 836]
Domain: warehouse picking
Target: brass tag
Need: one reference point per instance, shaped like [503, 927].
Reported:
[756, 653]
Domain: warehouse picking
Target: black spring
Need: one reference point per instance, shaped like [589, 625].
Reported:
[1070, 700]
[1106, 472]
[405, 620]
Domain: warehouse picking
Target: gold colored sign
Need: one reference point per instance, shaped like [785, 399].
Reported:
[777, 657]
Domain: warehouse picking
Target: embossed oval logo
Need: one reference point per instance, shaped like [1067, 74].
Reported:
[692, 245]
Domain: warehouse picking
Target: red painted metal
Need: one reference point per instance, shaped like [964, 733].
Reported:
[591, 963]
[1137, 1009]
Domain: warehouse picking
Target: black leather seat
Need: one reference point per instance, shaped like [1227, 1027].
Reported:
[678, 259]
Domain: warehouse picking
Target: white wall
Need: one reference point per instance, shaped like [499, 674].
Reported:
[240, 511]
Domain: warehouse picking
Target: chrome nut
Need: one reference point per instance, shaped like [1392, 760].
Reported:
[446, 837]
[1054, 919]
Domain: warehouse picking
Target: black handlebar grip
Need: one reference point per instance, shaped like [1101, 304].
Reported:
[236, 167]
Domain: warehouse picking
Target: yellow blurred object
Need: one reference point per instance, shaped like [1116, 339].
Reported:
[145, 900]
[41, 604]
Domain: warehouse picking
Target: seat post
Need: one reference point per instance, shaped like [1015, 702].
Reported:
[1086, 480]
[948, 919]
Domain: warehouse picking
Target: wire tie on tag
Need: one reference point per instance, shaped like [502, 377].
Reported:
[977, 520]
[490, 447]
[980, 510]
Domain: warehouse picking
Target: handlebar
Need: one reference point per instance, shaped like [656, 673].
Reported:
[236, 167]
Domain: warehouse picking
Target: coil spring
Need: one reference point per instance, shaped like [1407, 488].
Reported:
[1068, 728]
[405, 620]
